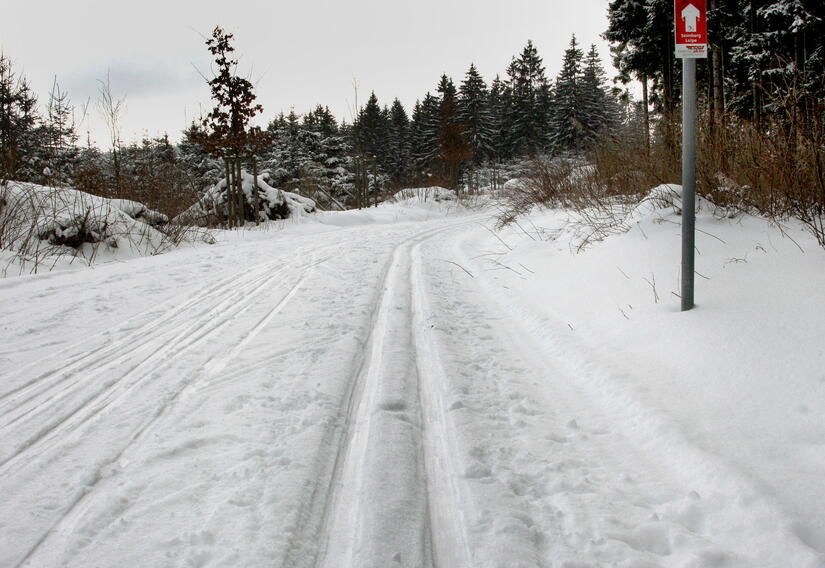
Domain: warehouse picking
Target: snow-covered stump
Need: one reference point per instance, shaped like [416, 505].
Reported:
[257, 202]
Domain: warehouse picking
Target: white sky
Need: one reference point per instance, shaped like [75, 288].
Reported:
[298, 53]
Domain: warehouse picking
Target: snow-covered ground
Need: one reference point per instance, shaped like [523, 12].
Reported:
[405, 386]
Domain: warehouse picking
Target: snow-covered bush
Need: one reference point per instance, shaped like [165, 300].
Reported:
[424, 194]
[272, 203]
[38, 223]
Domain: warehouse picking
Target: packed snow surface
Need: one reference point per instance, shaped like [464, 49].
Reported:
[406, 386]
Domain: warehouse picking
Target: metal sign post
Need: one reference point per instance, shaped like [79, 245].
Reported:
[691, 44]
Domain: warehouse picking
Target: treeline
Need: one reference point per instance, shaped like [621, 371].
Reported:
[41, 145]
[458, 136]
[449, 137]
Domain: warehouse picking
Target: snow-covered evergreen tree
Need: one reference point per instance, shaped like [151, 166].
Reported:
[204, 170]
[498, 101]
[530, 101]
[453, 147]
[18, 120]
[58, 152]
[398, 143]
[371, 130]
[424, 131]
[599, 110]
[567, 123]
[475, 114]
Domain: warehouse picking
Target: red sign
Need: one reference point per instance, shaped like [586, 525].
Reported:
[691, 28]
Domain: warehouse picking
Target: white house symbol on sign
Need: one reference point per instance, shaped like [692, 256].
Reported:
[690, 14]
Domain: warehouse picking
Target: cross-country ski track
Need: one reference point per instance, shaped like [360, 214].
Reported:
[347, 397]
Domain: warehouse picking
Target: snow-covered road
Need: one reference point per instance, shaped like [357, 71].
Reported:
[325, 397]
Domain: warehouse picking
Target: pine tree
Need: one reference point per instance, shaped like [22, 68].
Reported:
[499, 105]
[598, 109]
[398, 143]
[424, 130]
[371, 130]
[18, 121]
[204, 170]
[58, 152]
[530, 102]
[567, 122]
[453, 147]
[474, 113]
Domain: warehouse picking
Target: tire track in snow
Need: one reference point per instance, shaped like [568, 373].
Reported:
[63, 527]
[179, 338]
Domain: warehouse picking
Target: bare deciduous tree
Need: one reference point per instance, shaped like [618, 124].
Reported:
[111, 109]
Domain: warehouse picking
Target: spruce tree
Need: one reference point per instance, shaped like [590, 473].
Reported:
[398, 143]
[474, 113]
[530, 102]
[58, 152]
[499, 104]
[453, 147]
[424, 133]
[204, 170]
[18, 121]
[567, 122]
[642, 36]
[598, 109]
[371, 130]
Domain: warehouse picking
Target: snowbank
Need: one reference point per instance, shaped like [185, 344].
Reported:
[730, 394]
[273, 203]
[39, 223]
[424, 194]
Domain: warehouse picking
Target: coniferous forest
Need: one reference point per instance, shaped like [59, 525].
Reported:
[763, 83]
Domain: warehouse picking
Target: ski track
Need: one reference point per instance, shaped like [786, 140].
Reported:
[50, 384]
[65, 522]
[168, 343]
[387, 474]
[214, 305]
[457, 439]
[374, 407]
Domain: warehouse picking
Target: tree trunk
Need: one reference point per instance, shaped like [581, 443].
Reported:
[646, 114]
[757, 80]
[256, 202]
[669, 100]
[718, 93]
[241, 200]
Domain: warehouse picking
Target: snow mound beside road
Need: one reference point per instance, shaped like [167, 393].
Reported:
[729, 394]
[39, 223]
[272, 203]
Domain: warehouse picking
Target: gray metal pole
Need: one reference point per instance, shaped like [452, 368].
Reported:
[688, 179]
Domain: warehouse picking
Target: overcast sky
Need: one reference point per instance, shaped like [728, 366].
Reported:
[298, 53]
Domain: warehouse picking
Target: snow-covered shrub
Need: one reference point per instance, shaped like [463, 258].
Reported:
[423, 194]
[549, 182]
[139, 211]
[773, 171]
[272, 203]
[38, 223]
